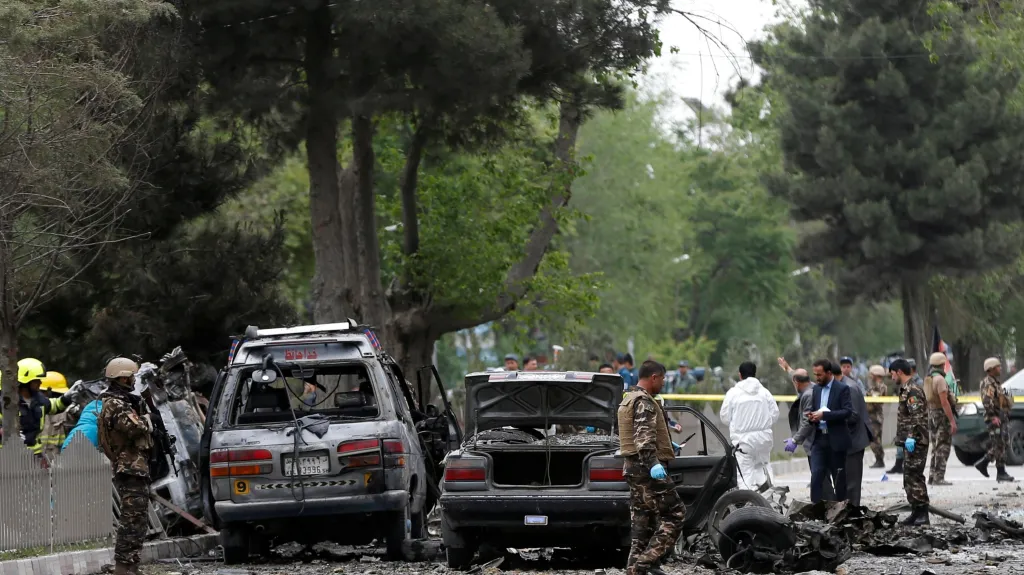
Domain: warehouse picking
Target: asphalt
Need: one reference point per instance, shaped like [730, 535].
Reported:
[969, 493]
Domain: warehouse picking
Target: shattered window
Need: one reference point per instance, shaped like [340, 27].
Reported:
[696, 438]
[341, 391]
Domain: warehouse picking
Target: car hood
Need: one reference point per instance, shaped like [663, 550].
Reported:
[541, 399]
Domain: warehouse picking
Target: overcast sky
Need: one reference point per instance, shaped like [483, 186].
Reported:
[701, 69]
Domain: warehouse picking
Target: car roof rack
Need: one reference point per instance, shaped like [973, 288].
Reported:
[254, 332]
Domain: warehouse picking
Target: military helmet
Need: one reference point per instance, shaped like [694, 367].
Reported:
[29, 370]
[54, 382]
[937, 359]
[121, 367]
[877, 370]
[992, 363]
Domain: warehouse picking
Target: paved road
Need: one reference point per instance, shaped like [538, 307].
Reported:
[970, 492]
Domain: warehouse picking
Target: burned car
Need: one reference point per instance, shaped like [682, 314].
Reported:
[312, 435]
[516, 481]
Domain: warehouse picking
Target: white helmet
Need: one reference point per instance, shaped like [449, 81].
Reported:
[121, 367]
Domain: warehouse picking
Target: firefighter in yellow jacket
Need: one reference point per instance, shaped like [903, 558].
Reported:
[34, 406]
[656, 511]
[52, 435]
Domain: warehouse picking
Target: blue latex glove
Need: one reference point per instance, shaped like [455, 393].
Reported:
[675, 445]
[790, 445]
[590, 429]
[910, 443]
[658, 472]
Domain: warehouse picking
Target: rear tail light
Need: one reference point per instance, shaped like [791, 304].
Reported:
[360, 453]
[606, 475]
[394, 453]
[359, 445]
[604, 469]
[466, 469]
[224, 462]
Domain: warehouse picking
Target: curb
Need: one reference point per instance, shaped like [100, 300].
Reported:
[93, 560]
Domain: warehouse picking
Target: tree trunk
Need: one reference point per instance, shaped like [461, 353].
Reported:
[371, 305]
[918, 311]
[331, 298]
[9, 383]
[414, 351]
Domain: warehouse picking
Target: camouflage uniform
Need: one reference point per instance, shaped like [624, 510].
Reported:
[656, 512]
[938, 427]
[125, 437]
[912, 421]
[875, 414]
[998, 403]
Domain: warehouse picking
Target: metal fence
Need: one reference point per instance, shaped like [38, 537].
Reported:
[68, 503]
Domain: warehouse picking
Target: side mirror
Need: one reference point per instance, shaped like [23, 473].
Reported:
[264, 376]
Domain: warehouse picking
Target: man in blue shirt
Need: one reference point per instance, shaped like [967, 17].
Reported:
[624, 365]
[832, 440]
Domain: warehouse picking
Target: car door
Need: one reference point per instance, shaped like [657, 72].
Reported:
[204, 447]
[706, 466]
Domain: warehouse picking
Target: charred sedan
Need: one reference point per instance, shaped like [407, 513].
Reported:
[540, 467]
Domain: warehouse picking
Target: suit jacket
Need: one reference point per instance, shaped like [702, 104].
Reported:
[860, 430]
[837, 418]
[805, 429]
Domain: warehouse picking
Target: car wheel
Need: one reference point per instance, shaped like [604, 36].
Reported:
[397, 533]
[725, 506]
[968, 458]
[1015, 443]
[235, 542]
[459, 557]
[763, 528]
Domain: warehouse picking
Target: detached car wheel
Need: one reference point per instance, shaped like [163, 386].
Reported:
[727, 505]
[968, 458]
[1015, 443]
[764, 529]
[235, 542]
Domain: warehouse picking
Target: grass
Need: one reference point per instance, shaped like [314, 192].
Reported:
[30, 552]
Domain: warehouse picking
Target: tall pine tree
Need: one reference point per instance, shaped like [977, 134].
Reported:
[899, 139]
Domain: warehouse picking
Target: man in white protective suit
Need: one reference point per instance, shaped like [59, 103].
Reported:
[750, 411]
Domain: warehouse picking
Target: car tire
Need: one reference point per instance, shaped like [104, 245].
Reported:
[726, 505]
[765, 526]
[459, 557]
[396, 534]
[967, 458]
[234, 540]
[1015, 443]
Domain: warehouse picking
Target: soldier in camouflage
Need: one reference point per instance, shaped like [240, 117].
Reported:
[656, 511]
[912, 434]
[998, 402]
[125, 435]
[877, 388]
[941, 417]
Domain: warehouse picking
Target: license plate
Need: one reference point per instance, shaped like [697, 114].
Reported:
[311, 465]
[536, 520]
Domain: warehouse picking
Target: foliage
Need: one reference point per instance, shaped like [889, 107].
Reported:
[909, 163]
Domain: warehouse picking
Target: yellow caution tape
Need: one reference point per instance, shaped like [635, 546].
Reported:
[792, 398]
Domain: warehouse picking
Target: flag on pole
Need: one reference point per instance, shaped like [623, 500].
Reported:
[940, 346]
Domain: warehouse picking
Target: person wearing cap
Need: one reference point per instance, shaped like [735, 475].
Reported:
[941, 418]
[877, 388]
[998, 402]
[912, 434]
[511, 362]
[897, 467]
[685, 381]
[846, 367]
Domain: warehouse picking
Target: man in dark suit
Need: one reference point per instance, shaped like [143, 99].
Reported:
[860, 435]
[833, 410]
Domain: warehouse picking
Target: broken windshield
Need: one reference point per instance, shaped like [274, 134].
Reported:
[338, 391]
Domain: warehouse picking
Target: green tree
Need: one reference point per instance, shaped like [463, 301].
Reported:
[457, 78]
[67, 104]
[905, 167]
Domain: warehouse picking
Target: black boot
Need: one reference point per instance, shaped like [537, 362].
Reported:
[897, 468]
[1003, 476]
[878, 464]
[982, 466]
[919, 516]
